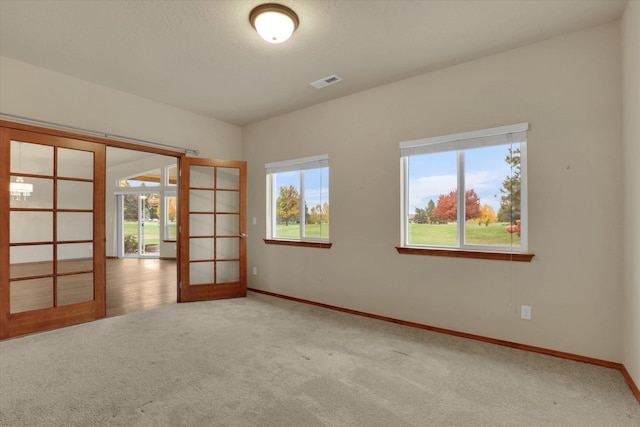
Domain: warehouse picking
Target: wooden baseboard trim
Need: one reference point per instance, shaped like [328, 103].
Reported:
[167, 258]
[632, 384]
[563, 355]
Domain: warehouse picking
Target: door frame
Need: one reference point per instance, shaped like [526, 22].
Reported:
[120, 224]
[77, 313]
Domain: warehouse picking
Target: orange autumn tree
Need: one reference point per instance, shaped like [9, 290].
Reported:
[487, 215]
[447, 207]
[288, 204]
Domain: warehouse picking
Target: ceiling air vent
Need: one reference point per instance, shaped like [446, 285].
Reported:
[319, 84]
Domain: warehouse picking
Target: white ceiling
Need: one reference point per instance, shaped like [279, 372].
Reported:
[204, 56]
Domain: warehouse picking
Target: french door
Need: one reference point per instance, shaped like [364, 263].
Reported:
[52, 232]
[140, 225]
[52, 229]
[212, 229]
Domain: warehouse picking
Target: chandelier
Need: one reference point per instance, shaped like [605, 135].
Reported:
[20, 190]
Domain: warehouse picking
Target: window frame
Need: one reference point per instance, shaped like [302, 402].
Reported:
[295, 165]
[167, 194]
[460, 143]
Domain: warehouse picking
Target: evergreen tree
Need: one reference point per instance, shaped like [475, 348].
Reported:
[511, 195]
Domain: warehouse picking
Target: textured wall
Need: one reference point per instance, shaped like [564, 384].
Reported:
[631, 156]
[569, 90]
[46, 95]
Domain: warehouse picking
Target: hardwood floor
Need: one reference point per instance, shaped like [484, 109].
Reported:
[136, 284]
[133, 284]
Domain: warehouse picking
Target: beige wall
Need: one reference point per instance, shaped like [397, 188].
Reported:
[46, 95]
[569, 90]
[631, 156]
[38, 93]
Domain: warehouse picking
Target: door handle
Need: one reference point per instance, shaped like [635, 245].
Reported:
[242, 236]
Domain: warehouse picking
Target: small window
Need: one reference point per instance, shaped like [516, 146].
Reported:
[171, 206]
[147, 179]
[298, 200]
[171, 176]
[466, 191]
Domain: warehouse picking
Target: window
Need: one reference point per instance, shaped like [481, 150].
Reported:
[298, 200]
[466, 191]
[146, 179]
[149, 209]
[171, 217]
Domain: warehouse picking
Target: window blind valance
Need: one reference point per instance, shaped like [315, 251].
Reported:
[502, 135]
[305, 163]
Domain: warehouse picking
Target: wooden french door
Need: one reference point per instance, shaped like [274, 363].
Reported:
[212, 250]
[52, 231]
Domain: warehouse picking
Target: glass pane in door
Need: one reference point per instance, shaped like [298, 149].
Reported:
[141, 227]
[75, 288]
[33, 294]
[149, 224]
[213, 251]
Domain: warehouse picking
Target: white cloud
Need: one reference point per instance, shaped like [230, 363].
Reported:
[316, 196]
[429, 187]
[425, 188]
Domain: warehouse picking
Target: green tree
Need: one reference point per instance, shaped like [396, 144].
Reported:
[131, 207]
[511, 189]
[420, 216]
[288, 204]
[431, 206]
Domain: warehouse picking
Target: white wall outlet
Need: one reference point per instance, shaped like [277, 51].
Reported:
[255, 271]
[255, 221]
[525, 312]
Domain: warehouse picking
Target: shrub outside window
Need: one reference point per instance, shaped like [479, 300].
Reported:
[298, 199]
[466, 191]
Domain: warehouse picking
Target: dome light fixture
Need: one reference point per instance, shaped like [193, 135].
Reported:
[274, 22]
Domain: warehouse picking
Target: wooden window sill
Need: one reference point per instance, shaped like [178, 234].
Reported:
[322, 245]
[460, 253]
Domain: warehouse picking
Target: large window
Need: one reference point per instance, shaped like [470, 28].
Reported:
[466, 191]
[298, 199]
[148, 205]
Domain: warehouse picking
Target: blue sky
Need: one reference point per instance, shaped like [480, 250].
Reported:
[433, 174]
[316, 184]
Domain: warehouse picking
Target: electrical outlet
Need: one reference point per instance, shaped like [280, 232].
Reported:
[255, 271]
[525, 312]
[255, 221]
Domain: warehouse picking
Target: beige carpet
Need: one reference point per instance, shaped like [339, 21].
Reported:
[261, 361]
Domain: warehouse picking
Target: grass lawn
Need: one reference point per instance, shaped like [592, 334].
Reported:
[151, 231]
[292, 231]
[445, 235]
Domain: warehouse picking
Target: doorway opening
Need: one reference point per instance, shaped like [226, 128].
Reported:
[142, 238]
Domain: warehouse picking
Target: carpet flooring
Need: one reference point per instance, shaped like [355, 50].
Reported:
[263, 361]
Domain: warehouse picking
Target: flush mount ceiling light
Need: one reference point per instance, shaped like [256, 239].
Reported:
[274, 22]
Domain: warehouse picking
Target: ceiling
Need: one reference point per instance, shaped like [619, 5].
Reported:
[204, 56]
